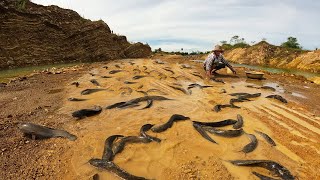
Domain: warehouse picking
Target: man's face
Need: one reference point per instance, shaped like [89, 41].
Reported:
[217, 53]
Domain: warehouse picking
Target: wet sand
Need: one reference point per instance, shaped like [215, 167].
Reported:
[183, 153]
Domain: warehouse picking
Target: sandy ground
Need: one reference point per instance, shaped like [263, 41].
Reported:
[182, 153]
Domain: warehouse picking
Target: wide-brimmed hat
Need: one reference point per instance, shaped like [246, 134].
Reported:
[218, 48]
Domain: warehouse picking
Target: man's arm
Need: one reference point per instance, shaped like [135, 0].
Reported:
[209, 72]
[228, 65]
[209, 64]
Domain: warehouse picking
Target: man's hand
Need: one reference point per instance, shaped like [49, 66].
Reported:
[208, 73]
[234, 72]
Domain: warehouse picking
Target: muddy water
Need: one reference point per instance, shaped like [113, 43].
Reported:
[279, 70]
[272, 70]
[183, 153]
[6, 75]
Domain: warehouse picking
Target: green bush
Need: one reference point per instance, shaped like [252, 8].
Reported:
[21, 4]
[241, 45]
[291, 42]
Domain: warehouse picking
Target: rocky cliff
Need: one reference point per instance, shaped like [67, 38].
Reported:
[274, 56]
[49, 34]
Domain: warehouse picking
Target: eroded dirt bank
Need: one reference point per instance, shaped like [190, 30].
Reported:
[182, 153]
[266, 54]
[50, 34]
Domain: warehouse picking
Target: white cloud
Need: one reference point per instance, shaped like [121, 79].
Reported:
[198, 24]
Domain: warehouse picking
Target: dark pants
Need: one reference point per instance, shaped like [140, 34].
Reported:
[217, 66]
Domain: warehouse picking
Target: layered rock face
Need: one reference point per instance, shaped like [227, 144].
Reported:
[49, 34]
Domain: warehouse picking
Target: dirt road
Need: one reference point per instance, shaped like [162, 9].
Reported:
[182, 153]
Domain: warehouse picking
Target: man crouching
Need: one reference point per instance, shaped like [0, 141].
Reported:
[216, 61]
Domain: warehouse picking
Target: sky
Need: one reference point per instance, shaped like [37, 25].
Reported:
[197, 25]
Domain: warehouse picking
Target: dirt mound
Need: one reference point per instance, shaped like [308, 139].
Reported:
[309, 61]
[49, 34]
[269, 55]
[263, 53]
[137, 50]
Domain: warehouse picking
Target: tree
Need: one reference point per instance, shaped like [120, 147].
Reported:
[291, 42]
[234, 39]
[223, 42]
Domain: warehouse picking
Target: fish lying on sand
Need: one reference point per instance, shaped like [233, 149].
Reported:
[145, 98]
[149, 104]
[76, 99]
[262, 87]
[107, 154]
[90, 91]
[218, 107]
[43, 132]
[113, 168]
[82, 113]
[169, 123]
[266, 137]
[197, 85]
[129, 82]
[156, 90]
[115, 105]
[169, 70]
[76, 84]
[135, 101]
[143, 92]
[119, 146]
[239, 99]
[187, 92]
[272, 166]
[218, 80]
[232, 101]
[106, 77]
[114, 71]
[197, 75]
[263, 177]
[239, 94]
[252, 145]
[145, 128]
[224, 133]
[239, 122]
[245, 95]
[126, 106]
[144, 68]
[95, 82]
[138, 77]
[218, 123]
[202, 132]
[278, 97]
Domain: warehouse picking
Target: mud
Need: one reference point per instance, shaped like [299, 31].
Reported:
[182, 152]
